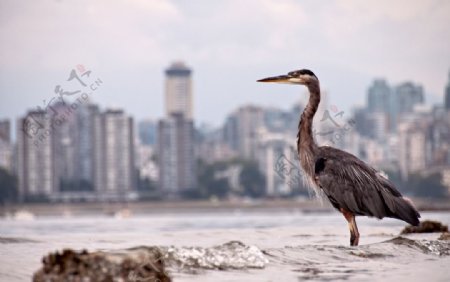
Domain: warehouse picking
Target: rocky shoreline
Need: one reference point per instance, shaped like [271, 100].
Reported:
[159, 263]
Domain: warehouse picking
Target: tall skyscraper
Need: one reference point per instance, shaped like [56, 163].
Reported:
[86, 156]
[35, 161]
[179, 90]
[409, 95]
[406, 96]
[378, 96]
[115, 176]
[176, 155]
[447, 95]
[63, 150]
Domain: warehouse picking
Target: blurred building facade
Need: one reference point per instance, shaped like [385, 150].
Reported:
[178, 90]
[34, 156]
[6, 146]
[397, 131]
[177, 164]
[248, 120]
[176, 140]
[278, 161]
[75, 154]
[94, 154]
[407, 96]
[115, 177]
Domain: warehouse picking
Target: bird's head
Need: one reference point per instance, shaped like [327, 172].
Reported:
[302, 77]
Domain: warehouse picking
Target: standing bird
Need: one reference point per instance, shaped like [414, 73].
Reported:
[353, 187]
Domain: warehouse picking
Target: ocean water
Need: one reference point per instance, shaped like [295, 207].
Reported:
[237, 245]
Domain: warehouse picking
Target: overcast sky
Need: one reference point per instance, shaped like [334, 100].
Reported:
[228, 44]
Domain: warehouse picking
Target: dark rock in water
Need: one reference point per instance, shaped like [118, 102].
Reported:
[139, 264]
[146, 263]
[445, 236]
[426, 226]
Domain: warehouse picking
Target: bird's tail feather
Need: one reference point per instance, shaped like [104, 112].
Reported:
[402, 208]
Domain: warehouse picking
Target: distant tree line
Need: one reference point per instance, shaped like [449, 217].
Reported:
[213, 184]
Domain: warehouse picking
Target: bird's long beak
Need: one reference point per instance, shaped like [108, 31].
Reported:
[288, 79]
[277, 79]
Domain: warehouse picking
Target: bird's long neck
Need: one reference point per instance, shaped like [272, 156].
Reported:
[306, 146]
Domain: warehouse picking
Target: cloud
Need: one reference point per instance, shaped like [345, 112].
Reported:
[50, 34]
[346, 42]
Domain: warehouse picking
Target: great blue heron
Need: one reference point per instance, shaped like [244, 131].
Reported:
[353, 187]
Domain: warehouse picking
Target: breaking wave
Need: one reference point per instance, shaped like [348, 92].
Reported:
[231, 255]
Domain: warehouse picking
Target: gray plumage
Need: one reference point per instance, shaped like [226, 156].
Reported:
[351, 184]
[353, 187]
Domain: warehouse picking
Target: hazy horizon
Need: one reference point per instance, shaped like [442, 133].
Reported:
[228, 46]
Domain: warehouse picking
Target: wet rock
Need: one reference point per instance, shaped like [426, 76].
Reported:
[445, 236]
[138, 264]
[426, 226]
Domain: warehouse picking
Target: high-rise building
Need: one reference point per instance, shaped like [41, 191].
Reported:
[179, 90]
[5, 145]
[35, 161]
[412, 148]
[447, 95]
[378, 96]
[73, 151]
[378, 125]
[63, 153]
[85, 146]
[407, 96]
[115, 175]
[176, 156]
[278, 161]
[177, 166]
[249, 120]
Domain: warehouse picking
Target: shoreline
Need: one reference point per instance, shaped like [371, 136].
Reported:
[182, 206]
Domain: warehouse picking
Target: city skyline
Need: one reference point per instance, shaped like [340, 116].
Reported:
[347, 44]
[88, 153]
[199, 123]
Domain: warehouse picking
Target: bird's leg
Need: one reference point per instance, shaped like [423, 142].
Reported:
[354, 234]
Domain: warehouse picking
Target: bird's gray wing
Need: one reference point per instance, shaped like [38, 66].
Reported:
[351, 184]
